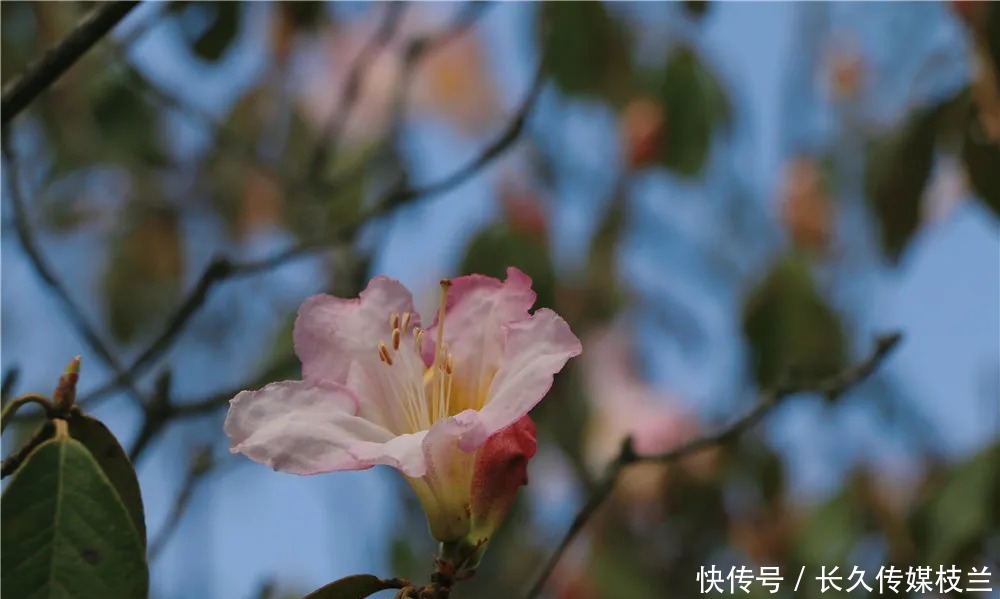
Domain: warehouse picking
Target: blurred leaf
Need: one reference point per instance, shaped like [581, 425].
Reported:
[126, 121]
[141, 281]
[897, 173]
[831, 529]
[210, 27]
[498, 246]
[66, 530]
[789, 326]
[982, 161]
[19, 38]
[114, 462]
[587, 49]
[358, 586]
[303, 15]
[697, 8]
[694, 105]
[963, 510]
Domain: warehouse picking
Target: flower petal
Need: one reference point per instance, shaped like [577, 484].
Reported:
[300, 427]
[536, 349]
[331, 332]
[477, 309]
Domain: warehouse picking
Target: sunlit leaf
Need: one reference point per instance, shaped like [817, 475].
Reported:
[358, 586]
[65, 532]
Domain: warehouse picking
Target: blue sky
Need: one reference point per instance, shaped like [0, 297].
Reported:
[249, 523]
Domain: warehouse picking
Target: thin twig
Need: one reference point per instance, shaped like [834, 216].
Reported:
[831, 387]
[12, 462]
[40, 75]
[335, 124]
[10, 377]
[223, 268]
[16, 404]
[47, 274]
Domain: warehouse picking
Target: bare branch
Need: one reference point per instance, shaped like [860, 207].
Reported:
[40, 75]
[832, 387]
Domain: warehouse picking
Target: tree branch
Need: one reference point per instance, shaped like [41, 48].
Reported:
[40, 75]
[831, 387]
[223, 268]
[73, 311]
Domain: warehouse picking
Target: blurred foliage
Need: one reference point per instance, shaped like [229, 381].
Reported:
[898, 173]
[587, 49]
[142, 279]
[790, 327]
[672, 108]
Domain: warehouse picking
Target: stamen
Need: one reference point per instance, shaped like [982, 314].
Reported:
[394, 320]
[406, 321]
[384, 353]
[418, 338]
[395, 339]
[445, 285]
[449, 364]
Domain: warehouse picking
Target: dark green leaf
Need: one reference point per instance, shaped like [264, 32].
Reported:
[982, 160]
[64, 531]
[897, 174]
[587, 49]
[126, 121]
[790, 327]
[358, 586]
[114, 463]
[694, 104]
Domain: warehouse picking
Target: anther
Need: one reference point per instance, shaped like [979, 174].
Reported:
[383, 351]
[406, 321]
[395, 339]
[394, 320]
[418, 338]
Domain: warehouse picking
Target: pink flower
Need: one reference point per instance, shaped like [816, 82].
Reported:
[447, 406]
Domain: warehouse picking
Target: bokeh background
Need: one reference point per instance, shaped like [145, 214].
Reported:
[715, 195]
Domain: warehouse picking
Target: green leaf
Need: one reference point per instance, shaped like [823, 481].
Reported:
[961, 514]
[896, 176]
[790, 327]
[587, 49]
[65, 533]
[981, 157]
[358, 586]
[114, 463]
[694, 104]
